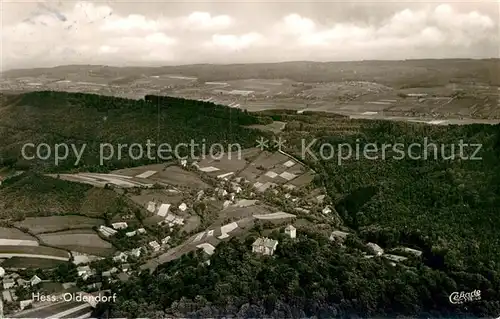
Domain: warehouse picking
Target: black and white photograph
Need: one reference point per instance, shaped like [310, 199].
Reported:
[249, 159]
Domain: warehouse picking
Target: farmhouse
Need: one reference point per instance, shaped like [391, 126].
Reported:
[264, 246]
[291, 231]
[376, 249]
[120, 225]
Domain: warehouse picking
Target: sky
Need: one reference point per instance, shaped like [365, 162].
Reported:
[119, 33]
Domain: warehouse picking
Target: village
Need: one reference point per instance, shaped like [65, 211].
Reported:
[270, 189]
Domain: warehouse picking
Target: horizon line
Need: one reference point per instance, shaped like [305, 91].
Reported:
[242, 63]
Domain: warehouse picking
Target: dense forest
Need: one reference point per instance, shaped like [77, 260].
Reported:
[308, 276]
[92, 120]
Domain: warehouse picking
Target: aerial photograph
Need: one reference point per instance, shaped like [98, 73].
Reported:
[250, 159]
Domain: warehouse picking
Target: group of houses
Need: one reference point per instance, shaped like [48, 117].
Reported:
[115, 227]
[12, 281]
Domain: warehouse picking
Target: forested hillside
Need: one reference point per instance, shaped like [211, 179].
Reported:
[308, 276]
[448, 209]
[76, 118]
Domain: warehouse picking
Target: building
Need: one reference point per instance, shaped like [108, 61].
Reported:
[141, 231]
[291, 231]
[151, 207]
[8, 283]
[395, 258]
[154, 245]
[376, 249]
[209, 249]
[120, 225]
[165, 240]
[23, 283]
[108, 273]
[183, 207]
[35, 280]
[120, 257]
[338, 236]
[84, 271]
[131, 233]
[163, 210]
[136, 252]
[327, 210]
[415, 252]
[264, 246]
[107, 231]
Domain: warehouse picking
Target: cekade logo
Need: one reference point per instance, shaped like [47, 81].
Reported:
[461, 297]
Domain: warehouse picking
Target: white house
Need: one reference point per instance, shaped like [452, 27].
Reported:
[141, 231]
[265, 246]
[120, 225]
[107, 231]
[154, 245]
[131, 233]
[291, 231]
[377, 250]
[35, 280]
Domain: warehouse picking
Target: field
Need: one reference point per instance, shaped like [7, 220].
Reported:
[12, 233]
[172, 175]
[38, 225]
[21, 262]
[78, 240]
